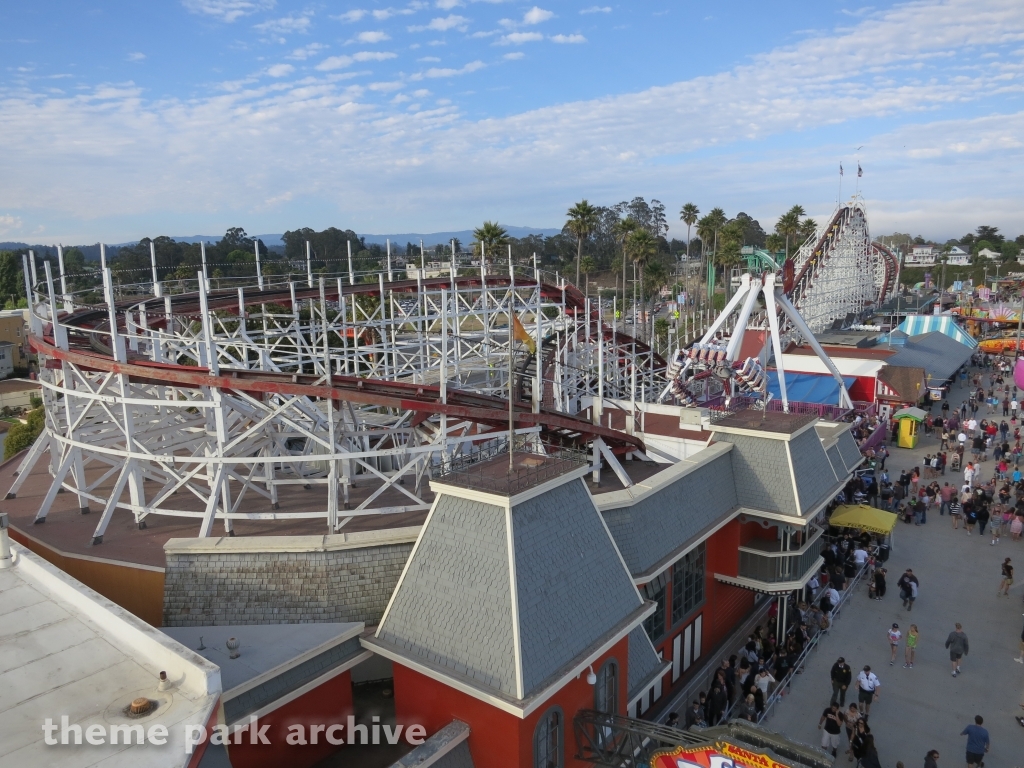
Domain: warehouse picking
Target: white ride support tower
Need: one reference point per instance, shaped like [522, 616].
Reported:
[716, 355]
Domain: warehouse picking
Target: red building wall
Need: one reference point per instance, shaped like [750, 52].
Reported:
[724, 606]
[326, 704]
[498, 739]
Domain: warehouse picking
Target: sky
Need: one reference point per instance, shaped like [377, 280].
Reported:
[122, 120]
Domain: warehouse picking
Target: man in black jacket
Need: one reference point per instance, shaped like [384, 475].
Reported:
[841, 675]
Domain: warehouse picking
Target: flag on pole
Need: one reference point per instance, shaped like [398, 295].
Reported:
[840, 169]
[519, 333]
[860, 171]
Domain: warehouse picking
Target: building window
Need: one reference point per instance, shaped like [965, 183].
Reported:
[688, 583]
[655, 623]
[606, 692]
[548, 744]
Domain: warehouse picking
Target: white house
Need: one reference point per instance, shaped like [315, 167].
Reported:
[958, 257]
[921, 255]
[988, 253]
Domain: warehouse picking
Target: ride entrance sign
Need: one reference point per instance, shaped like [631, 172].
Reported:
[717, 755]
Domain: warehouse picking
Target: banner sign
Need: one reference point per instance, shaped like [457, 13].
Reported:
[720, 755]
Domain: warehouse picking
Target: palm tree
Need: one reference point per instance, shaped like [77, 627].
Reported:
[808, 228]
[490, 237]
[582, 222]
[623, 229]
[587, 266]
[688, 214]
[641, 246]
[789, 224]
[729, 253]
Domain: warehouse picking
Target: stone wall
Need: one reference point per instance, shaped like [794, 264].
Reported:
[283, 579]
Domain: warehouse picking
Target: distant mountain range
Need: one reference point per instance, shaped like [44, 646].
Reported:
[92, 252]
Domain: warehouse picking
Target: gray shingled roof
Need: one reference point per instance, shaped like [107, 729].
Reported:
[454, 608]
[572, 586]
[761, 473]
[664, 521]
[849, 450]
[815, 479]
[644, 663]
[939, 355]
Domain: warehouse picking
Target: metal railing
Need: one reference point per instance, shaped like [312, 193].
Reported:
[468, 470]
[783, 685]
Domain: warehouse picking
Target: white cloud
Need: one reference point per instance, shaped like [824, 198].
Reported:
[568, 39]
[136, 56]
[386, 13]
[350, 16]
[306, 51]
[800, 103]
[421, 93]
[280, 70]
[227, 10]
[334, 62]
[9, 223]
[513, 56]
[386, 87]
[518, 38]
[537, 15]
[434, 72]
[429, 59]
[400, 99]
[597, 9]
[443, 24]
[447, 5]
[373, 37]
[373, 56]
[285, 25]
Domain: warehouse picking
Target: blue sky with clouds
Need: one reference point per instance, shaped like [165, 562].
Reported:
[123, 119]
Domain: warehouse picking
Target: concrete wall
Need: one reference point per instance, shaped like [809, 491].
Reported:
[283, 579]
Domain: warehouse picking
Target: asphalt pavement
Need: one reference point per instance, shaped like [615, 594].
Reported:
[925, 707]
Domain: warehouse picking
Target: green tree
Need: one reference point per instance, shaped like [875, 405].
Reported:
[623, 229]
[582, 221]
[641, 247]
[489, 238]
[12, 284]
[730, 249]
[688, 214]
[587, 266]
[21, 436]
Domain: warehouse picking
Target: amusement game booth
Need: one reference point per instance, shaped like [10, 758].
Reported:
[910, 421]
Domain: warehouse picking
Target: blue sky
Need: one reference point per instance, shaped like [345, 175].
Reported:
[120, 120]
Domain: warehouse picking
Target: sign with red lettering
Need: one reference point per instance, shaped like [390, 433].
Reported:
[719, 755]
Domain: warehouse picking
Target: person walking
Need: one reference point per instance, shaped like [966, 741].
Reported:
[831, 726]
[841, 676]
[911, 647]
[977, 742]
[954, 511]
[931, 760]
[867, 689]
[870, 758]
[908, 594]
[1007, 582]
[851, 717]
[858, 744]
[894, 642]
[958, 648]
